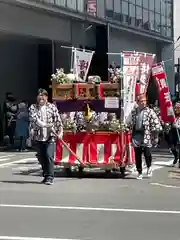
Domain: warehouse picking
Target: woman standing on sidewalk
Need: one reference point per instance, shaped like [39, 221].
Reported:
[174, 136]
[22, 126]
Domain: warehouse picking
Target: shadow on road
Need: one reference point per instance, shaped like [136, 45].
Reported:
[78, 175]
[21, 182]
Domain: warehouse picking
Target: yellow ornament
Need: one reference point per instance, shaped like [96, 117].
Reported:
[87, 114]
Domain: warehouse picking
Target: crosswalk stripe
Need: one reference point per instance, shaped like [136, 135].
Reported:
[4, 159]
[24, 160]
[7, 156]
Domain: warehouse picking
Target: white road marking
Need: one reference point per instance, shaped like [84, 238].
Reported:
[163, 163]
[24, 160]
[95, 209]
[164, 185]
[4, 159]
[7, 156]
[30, 238]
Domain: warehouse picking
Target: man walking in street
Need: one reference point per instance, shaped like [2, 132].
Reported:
[45, 126]
[146, 129]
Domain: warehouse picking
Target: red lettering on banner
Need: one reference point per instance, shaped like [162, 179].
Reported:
[166, 108]
[83, 65]
[146, 62]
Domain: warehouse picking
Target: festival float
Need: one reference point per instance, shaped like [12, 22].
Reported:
[95, 113]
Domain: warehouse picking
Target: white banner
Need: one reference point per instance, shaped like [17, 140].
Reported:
[82, 62]
[130, 77]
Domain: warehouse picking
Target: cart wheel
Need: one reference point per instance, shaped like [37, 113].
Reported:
[122, 171]
[108, 173]
[80, 169]
[80, 172]
[68, 171]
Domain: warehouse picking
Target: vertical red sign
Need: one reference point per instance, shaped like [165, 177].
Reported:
[166, 108]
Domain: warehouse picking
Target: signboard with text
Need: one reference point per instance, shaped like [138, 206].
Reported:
[130, 77]
[145, 65]
[166, 107]
[91, 7]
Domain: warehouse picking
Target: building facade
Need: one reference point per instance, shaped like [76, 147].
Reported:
[176, 30]
[32, 34]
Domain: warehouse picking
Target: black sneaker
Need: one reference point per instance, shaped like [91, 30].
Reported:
[44, 180]
[49, 181]
[175, 161]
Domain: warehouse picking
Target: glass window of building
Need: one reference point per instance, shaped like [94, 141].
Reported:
[163, 25]
[61, 2]
[109, 8]
[117, 10]
[132, 14]
[139, 2]
[163, 7]
[158, 6]
[139, 20]
[146, 4]
[80, 5]
[146, 19]
[152, 20]
[169, 9]
[157, 22]
[169, 28]
[72, 4]
[100, 8]
[132, 1]
[152, 5]
[125, 12]
[169, 18]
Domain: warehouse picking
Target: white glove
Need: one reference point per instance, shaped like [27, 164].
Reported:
[60, 135]
[31, 133]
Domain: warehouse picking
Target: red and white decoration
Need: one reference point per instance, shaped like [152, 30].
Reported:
[91, 7]
[166, 107]
[130, 77]
[95, 149]
[82, 62]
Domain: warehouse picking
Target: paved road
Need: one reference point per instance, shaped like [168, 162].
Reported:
[92, 208]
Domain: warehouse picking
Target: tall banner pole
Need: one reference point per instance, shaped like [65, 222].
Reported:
[121, 104]
[72, 59]
[88, 66]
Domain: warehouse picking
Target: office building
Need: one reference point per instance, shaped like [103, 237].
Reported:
[32, 33]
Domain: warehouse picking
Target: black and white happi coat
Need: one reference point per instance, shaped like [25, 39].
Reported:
[52, 118]
[151, 125]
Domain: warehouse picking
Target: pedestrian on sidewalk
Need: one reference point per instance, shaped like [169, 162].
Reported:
[22, 126]
[10, 112]
[45, 126]
[146, 128]
[174, 136]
